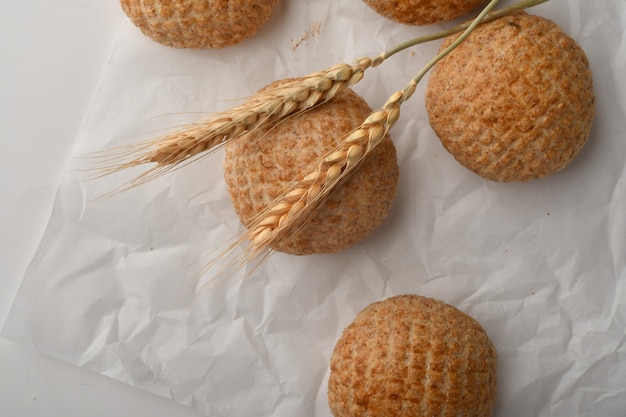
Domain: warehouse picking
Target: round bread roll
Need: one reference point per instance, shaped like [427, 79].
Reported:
[514, 101]
[198, 24]
[423, 12]
[263, 164]
[411, 356]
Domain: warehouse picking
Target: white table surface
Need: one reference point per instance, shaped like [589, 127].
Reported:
[53, 53]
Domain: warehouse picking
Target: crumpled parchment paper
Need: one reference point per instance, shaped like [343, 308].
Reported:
[117, 285]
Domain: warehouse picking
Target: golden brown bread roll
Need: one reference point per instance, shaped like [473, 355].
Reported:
[263, 164]
[514, 101]
[198, 23]
[411, 356]
[423, 12]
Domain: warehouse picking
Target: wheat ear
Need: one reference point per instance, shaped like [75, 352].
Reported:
[293, 208]
[271, 104]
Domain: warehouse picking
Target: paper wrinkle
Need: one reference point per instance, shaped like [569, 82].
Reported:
[117, 285]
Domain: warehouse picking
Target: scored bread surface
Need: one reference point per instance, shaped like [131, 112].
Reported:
[263, 164]
[410, 355]
[423, 12]
[514, 101]
[198, 24]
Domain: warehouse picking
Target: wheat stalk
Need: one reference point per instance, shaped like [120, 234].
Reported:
[269, 106]
[496, 14]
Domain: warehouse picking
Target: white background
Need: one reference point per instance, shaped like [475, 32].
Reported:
[53, 53]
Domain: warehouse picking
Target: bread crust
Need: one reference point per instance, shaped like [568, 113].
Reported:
[423, 12]
[514, 101]
[412, 356]
[263, 164]
[201, 24]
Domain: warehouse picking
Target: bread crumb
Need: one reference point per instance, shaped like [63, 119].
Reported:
[315, 28]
